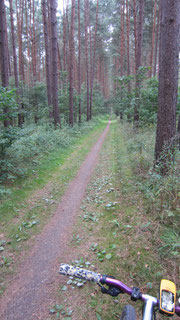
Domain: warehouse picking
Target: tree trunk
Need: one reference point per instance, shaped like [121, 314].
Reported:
[128, 36]
[128, 53]
[79, 59]
[13, 46]
[153, 40]
[54, 45]
[178, 131]
[94, 59]
[34, 49]
[122, 40]
[64, 40]
[135, 32]
[20, 116]
[19, 12]
[156, 45]
[47, 53]
[168, 82]
[86, 55]
[71, 64]
[138, 60]
[4, 53]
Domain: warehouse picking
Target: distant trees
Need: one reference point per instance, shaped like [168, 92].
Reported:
[168, 82]
[91, 47]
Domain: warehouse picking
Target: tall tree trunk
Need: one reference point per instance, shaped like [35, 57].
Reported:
[71, 64]
[19, 12]
[47, 56]
[94, 59]
[135, 32]
[168, 82]
[86, 55]
[79, 58]
[178, 131]
[122, 40]
[4, 53]
[20, 116]
[54, 44]
[153, 40]
[128, 52]
[13, 46]
[138, 60]
[34, 49]
[156, 45]
[64, 39]
[128, 36]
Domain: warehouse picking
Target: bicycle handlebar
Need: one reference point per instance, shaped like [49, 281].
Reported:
[81, 273]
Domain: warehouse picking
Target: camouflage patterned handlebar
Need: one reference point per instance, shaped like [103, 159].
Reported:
[81, 273]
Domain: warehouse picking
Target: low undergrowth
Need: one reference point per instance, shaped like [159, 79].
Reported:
[23, 149]
[117, 233]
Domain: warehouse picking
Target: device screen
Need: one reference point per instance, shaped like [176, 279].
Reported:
[167, 301]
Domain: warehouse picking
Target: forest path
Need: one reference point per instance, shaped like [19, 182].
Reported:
[31, 292]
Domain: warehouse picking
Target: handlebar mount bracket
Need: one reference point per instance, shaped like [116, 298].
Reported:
[112, 291]
[136, 294]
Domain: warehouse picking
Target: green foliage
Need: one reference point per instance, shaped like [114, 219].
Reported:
[161, 193]
[8, 103]
[146, 101]
[149, 101]
[171, 243]
[20, 148]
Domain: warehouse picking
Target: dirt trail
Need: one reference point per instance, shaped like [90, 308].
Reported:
[31, 292]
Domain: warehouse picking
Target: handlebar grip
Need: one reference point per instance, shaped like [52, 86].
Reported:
[81, 273]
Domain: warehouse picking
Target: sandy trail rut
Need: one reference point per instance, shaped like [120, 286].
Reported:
[30, 294]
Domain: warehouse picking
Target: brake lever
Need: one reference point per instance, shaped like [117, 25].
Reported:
[112, 291]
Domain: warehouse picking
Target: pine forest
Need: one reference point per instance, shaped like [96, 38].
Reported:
[68, 69]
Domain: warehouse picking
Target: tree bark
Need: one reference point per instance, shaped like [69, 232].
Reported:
[93, 61]
[47, 56]
[153, 40]
[87, 56]
[34, 49]
[138, 60]
[79, 58]
[54, 45]
[122, 40]
[19, 13]
[13, 46]
[3, 46]
[168, 82]
[4, 53]
[156, 45]
[71, 64]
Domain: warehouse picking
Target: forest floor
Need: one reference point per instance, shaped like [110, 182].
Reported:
[100, 224]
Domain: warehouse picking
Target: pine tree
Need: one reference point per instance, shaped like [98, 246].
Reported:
[4, 54]
[54, 61]
[168, 82]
